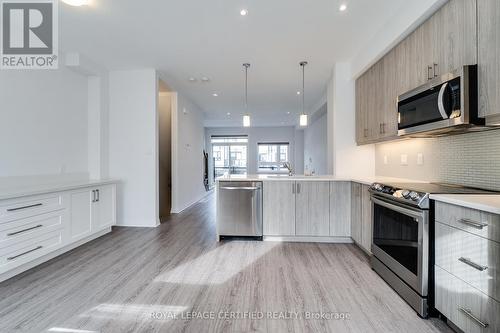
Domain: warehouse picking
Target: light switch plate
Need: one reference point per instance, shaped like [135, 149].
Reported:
[420, 159]
[404, 159]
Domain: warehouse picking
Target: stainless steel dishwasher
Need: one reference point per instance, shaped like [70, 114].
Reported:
[239, 209]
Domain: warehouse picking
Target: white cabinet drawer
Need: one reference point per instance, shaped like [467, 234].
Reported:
[480, 223]
[19, 208]
[31, 227]
[465, 306]
[24, 252]
[473, 259]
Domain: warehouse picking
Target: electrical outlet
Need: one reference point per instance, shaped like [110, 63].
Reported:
[420, 159]
[404, 159]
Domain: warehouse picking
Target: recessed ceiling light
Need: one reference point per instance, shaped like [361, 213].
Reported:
[76, 3]
[192, 79]
[205, 79]
[298, 92]
[288, 112]
[215, 94]
[244, 12]
[229, 113]
[343, 7]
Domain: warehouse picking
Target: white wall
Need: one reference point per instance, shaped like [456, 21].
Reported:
[188, 142]
[346, 158]
[315, 146]
[133, 145]
[394, 31]
[43, 123]
[261, 134]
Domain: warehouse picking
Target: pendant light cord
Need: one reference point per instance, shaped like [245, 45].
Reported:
[303, 65]
[246, 65]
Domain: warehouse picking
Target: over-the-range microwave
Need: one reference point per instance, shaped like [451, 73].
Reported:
[445, 105]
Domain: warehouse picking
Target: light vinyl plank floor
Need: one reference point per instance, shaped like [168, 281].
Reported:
[149, 280]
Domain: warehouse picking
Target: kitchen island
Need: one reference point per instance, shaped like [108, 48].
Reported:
[324, 209]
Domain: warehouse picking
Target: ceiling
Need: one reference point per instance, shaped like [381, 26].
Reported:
[196, 38]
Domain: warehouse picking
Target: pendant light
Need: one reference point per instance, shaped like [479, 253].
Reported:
[246, 117]
[303, 115]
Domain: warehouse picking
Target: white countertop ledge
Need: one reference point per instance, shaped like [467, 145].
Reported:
[11, 191]
[484, 202]
[361, 180]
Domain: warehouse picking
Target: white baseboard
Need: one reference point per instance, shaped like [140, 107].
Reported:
[203, 196]
[308, 239]
[52, 255]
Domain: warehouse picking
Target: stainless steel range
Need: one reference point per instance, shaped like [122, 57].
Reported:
[403, 234]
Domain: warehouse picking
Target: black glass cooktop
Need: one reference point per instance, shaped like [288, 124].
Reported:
[436, 188]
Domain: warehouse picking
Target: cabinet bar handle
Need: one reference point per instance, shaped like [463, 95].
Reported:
[469, 314]
[25, 253]
[98, 196]
[435, 69]
[298, 188]
[477, 225]
[231, 188]
[93, 196]
[24, 207]
[365, 132]
[293, 188]
[429, 73]
[472, 264]
[21, 231]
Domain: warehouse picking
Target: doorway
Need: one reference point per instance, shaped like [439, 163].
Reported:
[230, 155]
[164, 151]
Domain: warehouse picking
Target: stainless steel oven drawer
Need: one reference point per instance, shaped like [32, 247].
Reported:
[465, 306]
[471, 258]
[480, 223]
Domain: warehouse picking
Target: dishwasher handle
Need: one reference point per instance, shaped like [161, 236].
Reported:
[242, 188]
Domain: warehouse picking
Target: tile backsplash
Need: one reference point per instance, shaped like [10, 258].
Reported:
[471, 159]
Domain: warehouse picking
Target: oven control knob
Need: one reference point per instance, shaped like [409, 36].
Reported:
[405, 194]
[414, 196]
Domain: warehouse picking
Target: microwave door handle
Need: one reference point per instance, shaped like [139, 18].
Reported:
[442, 111]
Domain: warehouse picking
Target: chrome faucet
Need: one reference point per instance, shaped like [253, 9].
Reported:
[289, 167]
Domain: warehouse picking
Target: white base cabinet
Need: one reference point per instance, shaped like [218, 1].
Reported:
[279, 208]
[309, 211]
[42, 226]
[312, 208]
[361, 216]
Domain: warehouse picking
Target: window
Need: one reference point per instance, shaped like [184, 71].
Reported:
[229, 155]
[272, 157]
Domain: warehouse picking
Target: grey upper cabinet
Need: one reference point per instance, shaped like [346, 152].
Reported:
[312, 208]
[362, 108]
[488, 60]
[444, 43]
[279, 208]
[454, 36]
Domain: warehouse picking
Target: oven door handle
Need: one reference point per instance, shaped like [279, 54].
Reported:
[406, 211]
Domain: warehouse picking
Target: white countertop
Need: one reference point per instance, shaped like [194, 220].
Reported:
[10, 190]
[361, 180]
[485, 202]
